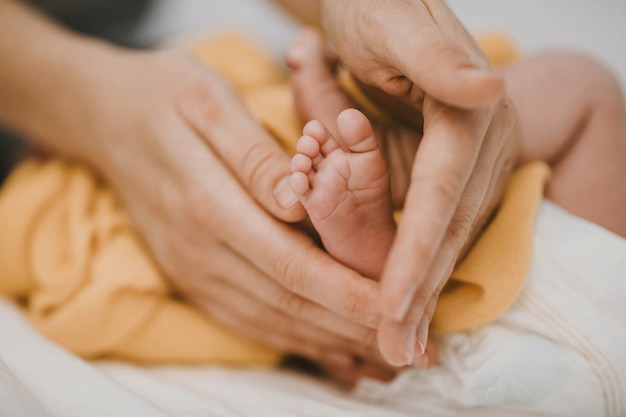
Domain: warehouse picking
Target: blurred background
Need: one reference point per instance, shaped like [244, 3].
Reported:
[597, 27]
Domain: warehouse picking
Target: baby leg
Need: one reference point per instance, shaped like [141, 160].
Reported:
[343, 184]
[573, 116]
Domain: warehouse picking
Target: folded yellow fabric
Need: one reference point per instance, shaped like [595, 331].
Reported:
[71, 256]
[70, 253]
[498, 47]
[486, 283]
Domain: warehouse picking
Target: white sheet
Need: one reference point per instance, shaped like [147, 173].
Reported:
[559, 350]
[37, 378]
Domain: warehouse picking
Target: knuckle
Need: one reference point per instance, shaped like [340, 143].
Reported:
[257, 163]
[211, 109]
[291, 304]
[199, 207]
[291, 271]
[461, 224]
[446, 187]
[357, 307]
[201, 95]
[212, 112]
[395, 85]
[385, 78]
[352, 305]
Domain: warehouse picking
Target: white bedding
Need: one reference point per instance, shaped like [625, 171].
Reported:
[37, 378]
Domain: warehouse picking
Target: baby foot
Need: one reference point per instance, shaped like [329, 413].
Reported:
[343, 183]
[316, 91]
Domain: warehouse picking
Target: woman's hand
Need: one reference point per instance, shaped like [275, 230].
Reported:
[205, 184]
[418, 52]
[202, 180]
[319, 96]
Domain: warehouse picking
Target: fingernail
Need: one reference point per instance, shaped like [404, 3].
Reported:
[421, 362]
[409, 342]
[422, 334]
[283, 194]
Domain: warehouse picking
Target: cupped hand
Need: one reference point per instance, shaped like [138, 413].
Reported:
[206, 187]
[319, 96]
[418, 52]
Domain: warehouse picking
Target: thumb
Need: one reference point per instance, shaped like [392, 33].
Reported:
[443, 69]
[425, 50]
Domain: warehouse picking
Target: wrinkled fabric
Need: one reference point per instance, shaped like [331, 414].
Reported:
[73, 259]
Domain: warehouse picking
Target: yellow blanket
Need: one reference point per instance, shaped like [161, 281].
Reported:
[71, 256]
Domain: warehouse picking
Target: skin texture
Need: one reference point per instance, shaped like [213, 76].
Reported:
[572, 115]
[430, 64]
[198, 176]
[319, 98]
[343, 183]
[203, 181]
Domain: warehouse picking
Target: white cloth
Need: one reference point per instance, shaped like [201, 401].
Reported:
[559, 351]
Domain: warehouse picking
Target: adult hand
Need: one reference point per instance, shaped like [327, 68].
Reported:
[419, 52]
[318, 96]
[205, 184]
[196, 172]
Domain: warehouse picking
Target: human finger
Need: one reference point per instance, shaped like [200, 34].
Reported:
[457, 81]
[446, 63]
[425, 48]
[250, 312]
[441, 170]
[256, 301]
[267, 336]
[226, 214]
[496, 159]
[406, 342]
[259, 163]
[278, 250]
[302, 268]
[244, 277]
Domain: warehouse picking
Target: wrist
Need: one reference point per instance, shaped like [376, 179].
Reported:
[48, 84]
